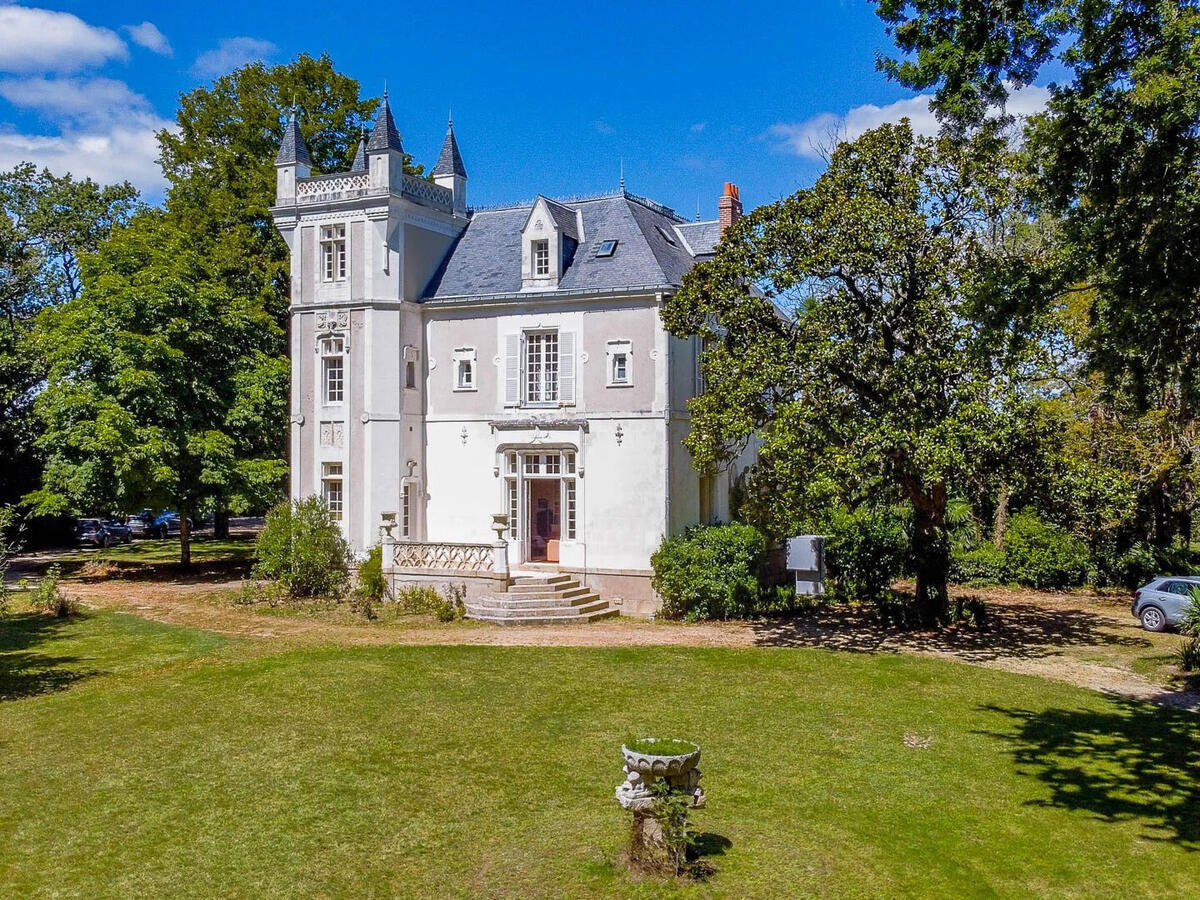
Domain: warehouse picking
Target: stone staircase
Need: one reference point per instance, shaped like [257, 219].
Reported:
[541, 600]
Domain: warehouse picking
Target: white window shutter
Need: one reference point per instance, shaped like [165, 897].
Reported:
[566, 368]
[512, 370]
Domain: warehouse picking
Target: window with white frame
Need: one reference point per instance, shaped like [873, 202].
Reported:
[540, 251]
[333, 252]
[620, 364]
[331, 489]
[333, 369]
[464, 369]
[541, 367]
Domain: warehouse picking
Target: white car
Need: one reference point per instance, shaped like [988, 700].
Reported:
[1162, 602]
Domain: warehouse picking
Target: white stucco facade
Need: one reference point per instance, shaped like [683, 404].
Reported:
[440, 374]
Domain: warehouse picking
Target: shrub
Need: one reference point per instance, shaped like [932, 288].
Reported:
[370, 581]
[302, 548]
[1143, 561]
[1188, 654]
[49, 598]
[983, 565]
[864, 553]
[710, 572]
[1040, 555]
[1190, 623]
[422, 599]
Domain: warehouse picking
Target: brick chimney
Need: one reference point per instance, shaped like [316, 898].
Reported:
[729, 206]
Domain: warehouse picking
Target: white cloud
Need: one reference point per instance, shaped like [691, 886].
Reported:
[698, 127]
[147, 35]
[229, 54]
[813, 137]
[80, 99]
[105, 131]
[40, 40]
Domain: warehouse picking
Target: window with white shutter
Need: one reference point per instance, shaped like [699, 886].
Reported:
[512, 370]
[566, 368]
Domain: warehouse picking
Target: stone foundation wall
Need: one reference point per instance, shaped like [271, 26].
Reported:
[478, 585]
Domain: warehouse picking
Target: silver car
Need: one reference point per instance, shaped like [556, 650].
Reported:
[1162, 602]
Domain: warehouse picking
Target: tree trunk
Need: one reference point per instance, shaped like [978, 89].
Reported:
[1000, 520]
[1160, 503]
[931, 556]
[221, 524]
[185, 539]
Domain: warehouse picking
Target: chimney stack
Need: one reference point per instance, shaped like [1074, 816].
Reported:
[729, 206]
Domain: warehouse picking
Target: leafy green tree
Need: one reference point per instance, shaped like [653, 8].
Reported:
[1117, 154]
[47, 223]
[168, 375]
[884, 383]
[159, 380]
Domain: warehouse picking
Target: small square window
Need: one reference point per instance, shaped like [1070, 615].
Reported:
[607, 248]
[465, 375]
[620, 364]
[666, 235]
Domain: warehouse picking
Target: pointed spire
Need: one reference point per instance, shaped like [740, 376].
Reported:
[292, 149]
[622, 175]
[450, 160]
[360, 156]
[384, 135]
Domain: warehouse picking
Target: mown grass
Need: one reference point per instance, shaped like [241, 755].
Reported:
[175, 763]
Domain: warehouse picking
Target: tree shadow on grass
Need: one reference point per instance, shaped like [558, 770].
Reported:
[25, 670]
[1014, 630]
[1137, 762]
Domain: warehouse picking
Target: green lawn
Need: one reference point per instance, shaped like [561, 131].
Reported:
[171, 762]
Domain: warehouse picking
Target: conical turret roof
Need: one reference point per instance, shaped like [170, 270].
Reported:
[292, 149]
[450, 160]
[360, 157]
[384, 135]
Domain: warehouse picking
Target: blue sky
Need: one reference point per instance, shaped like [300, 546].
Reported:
[546, 99]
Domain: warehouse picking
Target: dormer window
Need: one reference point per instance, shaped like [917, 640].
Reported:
[540, 250]
[333, 252]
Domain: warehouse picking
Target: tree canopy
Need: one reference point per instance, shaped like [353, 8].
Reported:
[869, 363]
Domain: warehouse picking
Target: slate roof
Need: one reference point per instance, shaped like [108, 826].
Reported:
[564, 217]
[384, 135]
[486, 258]
[702, 237]
[360, 157]
[292, 148]
[450, 160]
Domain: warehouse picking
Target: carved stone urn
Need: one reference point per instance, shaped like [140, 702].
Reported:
[652, 759]
[499, 525]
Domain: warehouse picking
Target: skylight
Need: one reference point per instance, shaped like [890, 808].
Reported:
[667, 236]
[607, 248]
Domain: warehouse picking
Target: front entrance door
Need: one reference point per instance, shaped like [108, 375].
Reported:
[543, 508]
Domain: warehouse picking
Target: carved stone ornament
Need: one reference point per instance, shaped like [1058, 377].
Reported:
[642, 770]
[332, 434]
[333, 320]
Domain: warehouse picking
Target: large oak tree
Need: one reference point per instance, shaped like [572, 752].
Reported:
[849, 328]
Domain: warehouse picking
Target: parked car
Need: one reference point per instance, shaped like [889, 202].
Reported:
[101, 533]
[120, 532]
[142, 524]
[1161, 603]
[167, 524]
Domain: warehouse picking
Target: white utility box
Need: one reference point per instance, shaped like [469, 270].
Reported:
[806, 559]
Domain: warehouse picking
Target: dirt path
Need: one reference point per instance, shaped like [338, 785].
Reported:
[1078, 638]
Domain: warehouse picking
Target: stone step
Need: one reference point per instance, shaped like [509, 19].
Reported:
[522, 585]
[548, 578]
[573, 619]
[575, 590]
[587, 603]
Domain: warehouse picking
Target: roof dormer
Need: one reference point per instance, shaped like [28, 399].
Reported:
[549, 239]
